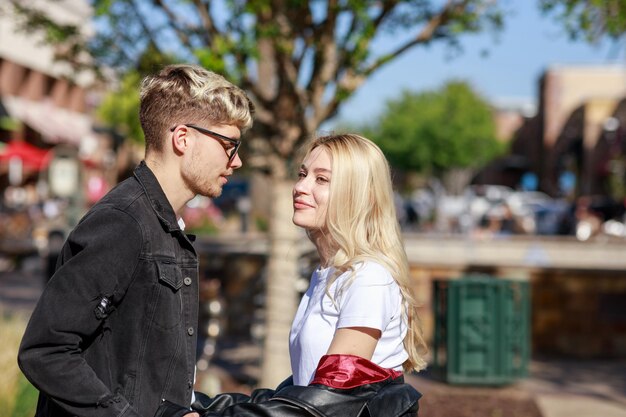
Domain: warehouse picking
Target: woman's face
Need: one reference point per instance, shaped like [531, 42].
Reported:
[311, 192]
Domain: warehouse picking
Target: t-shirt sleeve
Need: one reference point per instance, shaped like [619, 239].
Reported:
[371, 300]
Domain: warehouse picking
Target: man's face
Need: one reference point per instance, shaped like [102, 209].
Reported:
[207, 167]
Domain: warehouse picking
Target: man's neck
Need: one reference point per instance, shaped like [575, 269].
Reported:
[171, 182]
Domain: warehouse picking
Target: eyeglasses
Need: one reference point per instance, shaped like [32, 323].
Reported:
[236, 143]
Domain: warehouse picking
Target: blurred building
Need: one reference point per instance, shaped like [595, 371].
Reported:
[37, 91]
[570, 145]
[52, 161]
[575, 103]
[510, 116]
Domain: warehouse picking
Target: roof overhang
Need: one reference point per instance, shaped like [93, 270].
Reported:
[55, 124]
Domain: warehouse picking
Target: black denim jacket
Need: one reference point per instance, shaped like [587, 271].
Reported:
[114, 331]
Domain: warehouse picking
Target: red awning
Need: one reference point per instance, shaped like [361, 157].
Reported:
[31, 156]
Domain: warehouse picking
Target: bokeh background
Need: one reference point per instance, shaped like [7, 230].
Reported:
[504, 125]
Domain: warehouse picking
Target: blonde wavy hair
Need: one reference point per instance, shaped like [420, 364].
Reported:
[186, 93]
[362, 225]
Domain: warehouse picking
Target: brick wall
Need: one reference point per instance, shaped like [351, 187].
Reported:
[579, 314]
[574, 313]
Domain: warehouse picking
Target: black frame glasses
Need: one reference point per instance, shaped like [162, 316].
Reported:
[236, 143]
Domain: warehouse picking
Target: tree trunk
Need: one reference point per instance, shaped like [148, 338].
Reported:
[456, 179]
[281, 296]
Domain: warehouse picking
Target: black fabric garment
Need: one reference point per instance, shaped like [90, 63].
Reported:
[389, 398]
[114, 331]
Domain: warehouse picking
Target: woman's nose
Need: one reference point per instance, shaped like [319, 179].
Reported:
[300, 187]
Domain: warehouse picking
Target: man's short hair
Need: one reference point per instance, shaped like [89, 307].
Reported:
[186, 93]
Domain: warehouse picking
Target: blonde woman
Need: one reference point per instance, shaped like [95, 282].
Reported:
[356, 327]
[358, 315]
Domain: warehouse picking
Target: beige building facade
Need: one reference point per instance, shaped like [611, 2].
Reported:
[575, 104]
[37, 91]
[567, 138]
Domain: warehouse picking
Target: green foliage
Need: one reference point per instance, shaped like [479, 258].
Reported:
[435, 131]
[152, 60]
[206, 227]
[9, 123]
[120, 108]
[210, 60]
[72, 46]
[26, 399]
[589, 19]
[17, 397]
[262, 224]
[616, 177]
[311, 46]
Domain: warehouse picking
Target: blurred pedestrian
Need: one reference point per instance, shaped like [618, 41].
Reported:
[114, 332]
[504, 222]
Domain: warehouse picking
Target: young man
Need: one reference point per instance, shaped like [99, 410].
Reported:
[114, 332]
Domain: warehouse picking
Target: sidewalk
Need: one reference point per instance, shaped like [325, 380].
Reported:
[554, 388]
[578, 388]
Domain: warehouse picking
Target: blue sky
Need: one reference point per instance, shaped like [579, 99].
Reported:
[528, 44]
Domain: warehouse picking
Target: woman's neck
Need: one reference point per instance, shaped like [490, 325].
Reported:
[325, 248]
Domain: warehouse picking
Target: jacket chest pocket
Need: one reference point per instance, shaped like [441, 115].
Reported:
[167, 295]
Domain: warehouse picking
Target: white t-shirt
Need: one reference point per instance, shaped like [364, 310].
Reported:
[373, 299]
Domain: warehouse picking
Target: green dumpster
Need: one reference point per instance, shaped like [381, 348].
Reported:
[482, 330]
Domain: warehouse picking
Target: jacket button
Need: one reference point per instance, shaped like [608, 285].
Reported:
[187, 281]
[190, 331]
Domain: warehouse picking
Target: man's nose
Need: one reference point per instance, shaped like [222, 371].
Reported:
[236, 162]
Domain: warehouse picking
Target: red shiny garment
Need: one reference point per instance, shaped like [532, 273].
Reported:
[350, 371]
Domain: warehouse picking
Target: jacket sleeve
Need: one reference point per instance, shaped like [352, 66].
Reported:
[390, 399]
[218, 405]
[247, 408]
[95, 268]
[204, 403]
[292, 401]
[358, 388]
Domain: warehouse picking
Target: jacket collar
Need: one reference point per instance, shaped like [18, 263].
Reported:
[159, 202]
[390, 398]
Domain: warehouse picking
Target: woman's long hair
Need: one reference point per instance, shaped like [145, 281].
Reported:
[361, 223]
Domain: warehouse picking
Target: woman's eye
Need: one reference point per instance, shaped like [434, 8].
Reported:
[301, 174]
[322, 179]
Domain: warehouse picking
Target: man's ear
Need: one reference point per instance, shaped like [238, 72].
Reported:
[180, 139]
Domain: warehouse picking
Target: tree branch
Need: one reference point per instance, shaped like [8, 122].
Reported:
[325, 60]
[207, 21]
[144, 25]
[172, 23]
[427, 33]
